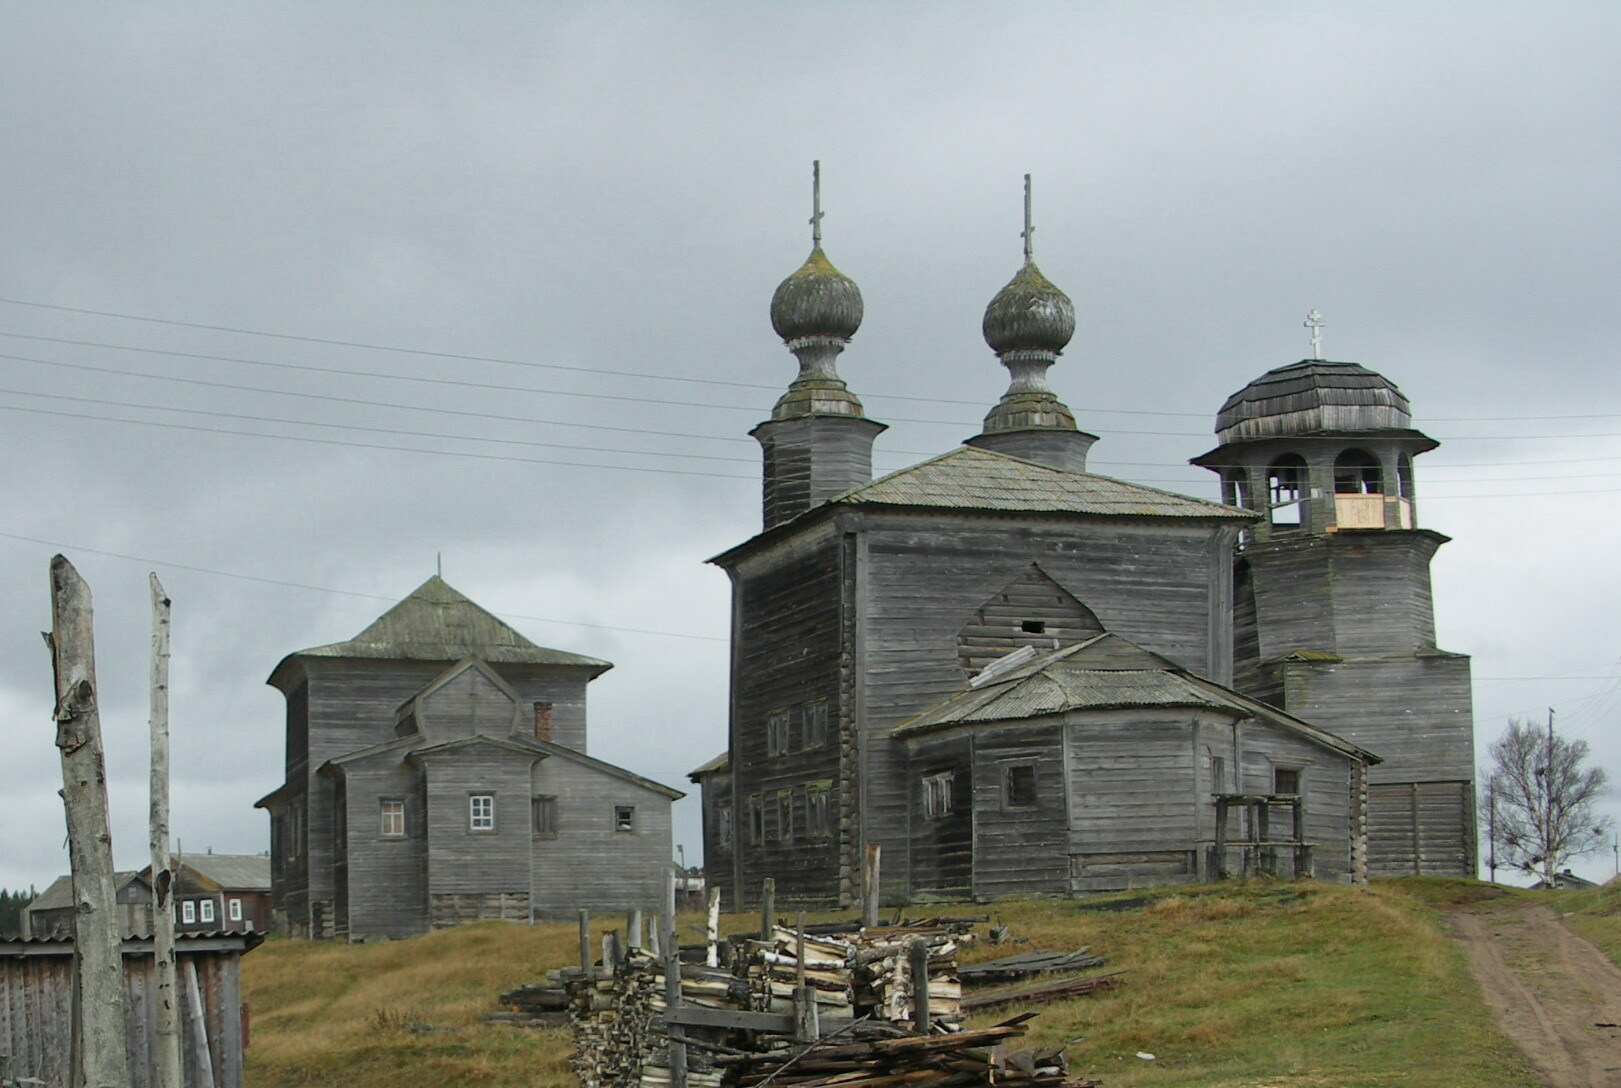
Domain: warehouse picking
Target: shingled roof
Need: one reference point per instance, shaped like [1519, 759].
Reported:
[969, 478]
[437, 623]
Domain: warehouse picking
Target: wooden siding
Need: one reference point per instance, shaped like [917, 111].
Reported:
[1020, 850]
[589, 864]
[36, 988]
[1002, 623]
[387, 877]
[475, 864]
[720, 843]
[1421, 829]
[1325, 783]
[786, 657]
[943, 844]
[925, 574]
[468, 703]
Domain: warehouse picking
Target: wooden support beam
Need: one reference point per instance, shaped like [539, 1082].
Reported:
[768, 907]
[585, 943]
[870, 873]
[920, 985]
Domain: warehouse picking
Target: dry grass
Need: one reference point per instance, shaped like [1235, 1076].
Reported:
[1237, 986]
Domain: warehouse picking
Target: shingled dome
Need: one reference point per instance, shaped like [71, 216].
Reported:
[816, 301]
[1030, 313]
[1313, 396]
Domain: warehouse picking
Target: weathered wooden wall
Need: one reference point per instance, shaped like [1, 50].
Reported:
[387, 893]
[36, 987]
[590, 864]
[1021, 850]
[466, 867]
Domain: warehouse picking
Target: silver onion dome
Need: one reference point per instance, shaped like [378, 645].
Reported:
[1029, 314]
[816, 301]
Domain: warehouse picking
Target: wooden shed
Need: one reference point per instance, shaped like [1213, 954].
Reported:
[36, 1008]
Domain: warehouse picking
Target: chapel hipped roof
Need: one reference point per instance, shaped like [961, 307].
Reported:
[438, 623]
[1313, 396]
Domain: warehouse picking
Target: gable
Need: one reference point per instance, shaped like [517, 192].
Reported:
[467, 701]
[1032, 610]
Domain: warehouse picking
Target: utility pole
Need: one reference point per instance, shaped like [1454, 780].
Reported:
[1547, 826]
[98, 948]
[1491, 828]
[166, 1060]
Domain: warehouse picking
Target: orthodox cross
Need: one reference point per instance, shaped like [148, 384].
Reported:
[1314, 321]
[816, 202]
[1029, 231]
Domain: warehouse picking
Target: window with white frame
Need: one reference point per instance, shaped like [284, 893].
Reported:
[937, 794]
[392, 815]
[481, 812]
[188, 912]
[234, 908]
[625, 818]
[205, 910]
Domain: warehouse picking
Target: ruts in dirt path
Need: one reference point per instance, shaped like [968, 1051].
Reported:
[1553, 993]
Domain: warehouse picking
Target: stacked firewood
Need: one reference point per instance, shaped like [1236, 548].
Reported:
[620, 1040]
[866, 973]
[964, 1059]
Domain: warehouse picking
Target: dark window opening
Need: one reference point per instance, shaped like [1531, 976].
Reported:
[544, 811]
[1286, 491]
[1033, 627]
[1357, 472]
[1019, 786]
[1286, 780]
[937, 794]
[756, 820]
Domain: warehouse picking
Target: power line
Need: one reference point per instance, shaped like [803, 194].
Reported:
[64, 548]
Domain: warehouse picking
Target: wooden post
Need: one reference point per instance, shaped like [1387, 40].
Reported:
[166, 1059]
[712, 929]
[1222, 808]
[920, 985]
[633, 929]
[1302, 851]
[869, 886]
[672, 979]
[610, 953]
[585, 943]
[768, 907]
[806, 1028]
[97, 942]
[1265, 855]
[199, 1027]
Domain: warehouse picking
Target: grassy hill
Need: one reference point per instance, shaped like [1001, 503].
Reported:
[1259, 985]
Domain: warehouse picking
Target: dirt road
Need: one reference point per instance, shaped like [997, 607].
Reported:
[1553, 993]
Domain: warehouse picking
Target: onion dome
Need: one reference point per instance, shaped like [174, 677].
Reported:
[1029, 314]
[816, 301]
[1314, 396]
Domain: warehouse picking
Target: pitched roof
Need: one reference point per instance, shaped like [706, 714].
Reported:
[970, 478]
[437, 623]
[1105, 672]
[719, 763]
[60, 893]
[232, 872]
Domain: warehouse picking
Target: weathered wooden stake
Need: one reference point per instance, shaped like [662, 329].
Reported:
[633, 929]
[199, 1028]
[712, 929]
[768, 907]
[806, 1027]
[672, 979]
[869, 886]
[166, 1060]
[585, 943]
[96, 939]
[920, 985]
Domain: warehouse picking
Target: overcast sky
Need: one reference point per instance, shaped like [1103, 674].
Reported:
[298, 297]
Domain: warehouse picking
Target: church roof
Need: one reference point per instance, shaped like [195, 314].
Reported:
[969, 478]
[437, 623]
[1105, 672]
[1314, 396]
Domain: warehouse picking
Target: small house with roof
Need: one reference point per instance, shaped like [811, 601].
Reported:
[875, 624]
[437, 774]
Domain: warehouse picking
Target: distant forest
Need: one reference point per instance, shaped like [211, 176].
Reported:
[11, 909]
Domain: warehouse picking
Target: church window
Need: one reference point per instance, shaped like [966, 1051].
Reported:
[815, 725]
[776, 733]
[723, 828]
[625, 818]
[1286, 489]
[481, 812]
[1233, 487]
[818, 812]
[937, 794]
[1218, 774]
[1019, 785]
[783, 807]
[1357, 472]
[1404, 477]
[392, 816]
[543, 810]
[756, 819]
[1286, 780]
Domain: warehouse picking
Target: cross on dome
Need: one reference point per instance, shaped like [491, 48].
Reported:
[1314, 321]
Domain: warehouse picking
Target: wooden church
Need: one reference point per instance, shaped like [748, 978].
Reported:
[1019, 677]
[437, 774]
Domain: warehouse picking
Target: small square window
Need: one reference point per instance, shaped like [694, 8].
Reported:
[1019, 786]
[624, 817]
[937, 794]
[235, 908]
[392, 816]
[188, 912]
[1286, 780]
[481, 812]
[205, 910]
[544, 810]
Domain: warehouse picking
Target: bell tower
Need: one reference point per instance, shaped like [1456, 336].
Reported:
[1333, 619]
